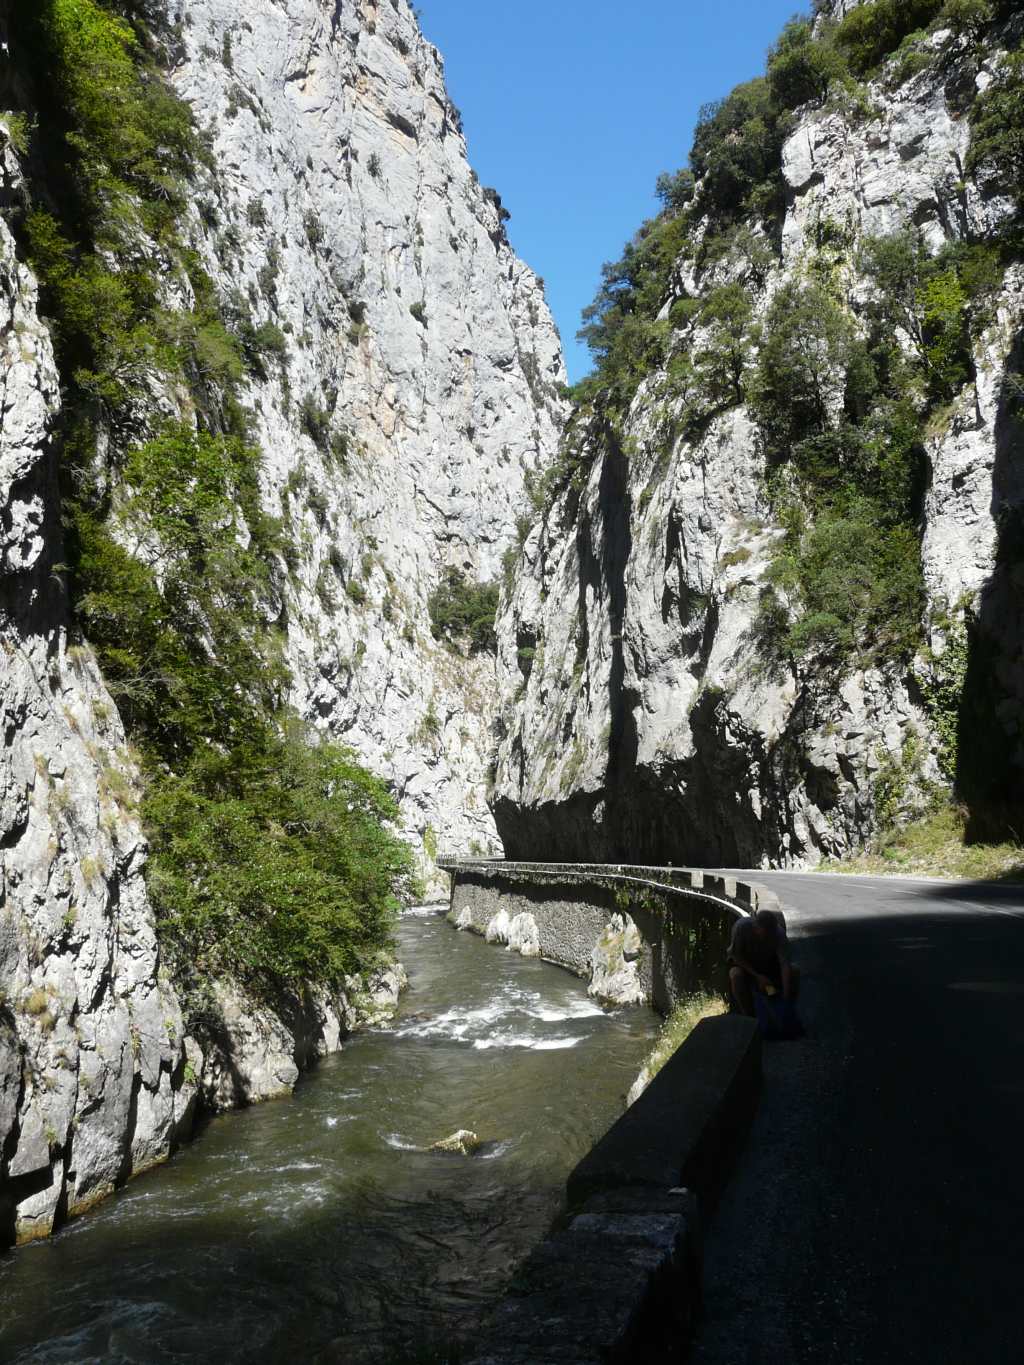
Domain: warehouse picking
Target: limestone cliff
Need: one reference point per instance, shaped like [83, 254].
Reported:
[92, 1071]
[644, 713]
[344, 210]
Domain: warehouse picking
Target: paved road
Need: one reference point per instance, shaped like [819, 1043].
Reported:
[878, 1212]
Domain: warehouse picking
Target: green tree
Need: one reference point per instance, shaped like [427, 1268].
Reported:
[721, 364]
[802, 69]
[997, 129]
[737, 152]
[801, 372]
[275, 864]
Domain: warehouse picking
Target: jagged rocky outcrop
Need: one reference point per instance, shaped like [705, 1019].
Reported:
[415, 385]
[641, 718]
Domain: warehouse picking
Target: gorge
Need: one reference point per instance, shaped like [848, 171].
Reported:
[313, 568]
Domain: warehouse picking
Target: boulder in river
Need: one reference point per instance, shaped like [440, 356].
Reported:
[462, 1142]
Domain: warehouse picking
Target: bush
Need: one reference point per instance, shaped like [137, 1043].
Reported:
[676, 189]
[173, 602]
[122, 125]
[806, 349]
[276, 864]
[801, 69]
[464, 612]
[721, 365]
[315, 422]
[620, 327]
[872, 31]
[970, 17]
[857, 584]
[844, 448]
[937, 301]
[737, 152]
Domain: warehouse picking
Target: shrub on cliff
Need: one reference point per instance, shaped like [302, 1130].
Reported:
[170, 587]
[463, 613]
[856, 583]
[122, 127]
[737, 153]
[800, 68]
[869, 33]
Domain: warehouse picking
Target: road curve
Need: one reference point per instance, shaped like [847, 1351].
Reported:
[877, 1214]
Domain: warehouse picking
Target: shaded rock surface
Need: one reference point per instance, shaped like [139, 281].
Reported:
[92, 1067]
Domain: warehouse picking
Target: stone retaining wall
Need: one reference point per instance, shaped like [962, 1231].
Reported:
[636, 934]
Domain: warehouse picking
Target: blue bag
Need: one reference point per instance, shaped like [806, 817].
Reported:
[777, 1018]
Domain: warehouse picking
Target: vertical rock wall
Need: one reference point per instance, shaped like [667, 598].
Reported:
[642, 718]
[412, 386]
[92, 1069]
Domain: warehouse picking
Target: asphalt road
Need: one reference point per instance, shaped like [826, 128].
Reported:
[877, 1213]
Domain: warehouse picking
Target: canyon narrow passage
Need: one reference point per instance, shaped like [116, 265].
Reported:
[321, 1228]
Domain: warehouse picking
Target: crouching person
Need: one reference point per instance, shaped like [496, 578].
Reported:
[759, 961]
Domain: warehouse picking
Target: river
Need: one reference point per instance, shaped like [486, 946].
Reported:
[321, 1228]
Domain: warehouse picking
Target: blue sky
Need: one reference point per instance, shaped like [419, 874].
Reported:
[573, 107]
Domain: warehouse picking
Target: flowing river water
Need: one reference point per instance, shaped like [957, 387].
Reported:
[321, 1228]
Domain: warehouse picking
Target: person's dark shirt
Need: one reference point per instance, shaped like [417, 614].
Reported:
[754, 949]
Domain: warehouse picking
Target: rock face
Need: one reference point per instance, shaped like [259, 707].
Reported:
[639, 721]
[93, 1084]
[416, 385]
[257, 1051]
[347, 215]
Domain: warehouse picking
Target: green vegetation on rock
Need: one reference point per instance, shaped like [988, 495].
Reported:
[997, 129]
[935, 846]
[462, 613]
[274, 862]
[273, 858]
[674, 1033]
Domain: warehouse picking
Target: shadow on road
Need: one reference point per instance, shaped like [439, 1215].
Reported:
[875, 1215]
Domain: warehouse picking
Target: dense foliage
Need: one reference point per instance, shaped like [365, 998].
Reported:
[870, 32]
[462, 613]
[273, 858]
[997, 125]
[275, 862]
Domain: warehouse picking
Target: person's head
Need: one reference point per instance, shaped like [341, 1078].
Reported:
[766, 925]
